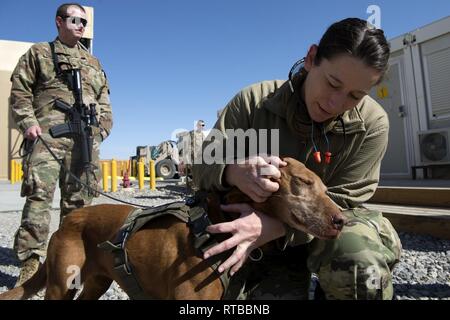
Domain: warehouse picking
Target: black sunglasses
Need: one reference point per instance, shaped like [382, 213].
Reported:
[76, 20]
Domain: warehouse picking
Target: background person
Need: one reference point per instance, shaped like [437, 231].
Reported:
[196, 138]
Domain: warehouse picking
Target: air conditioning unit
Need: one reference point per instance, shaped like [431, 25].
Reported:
[435, 146]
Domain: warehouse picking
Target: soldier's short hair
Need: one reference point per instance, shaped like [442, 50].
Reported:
[62, 9]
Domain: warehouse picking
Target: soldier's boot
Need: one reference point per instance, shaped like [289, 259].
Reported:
[28, 269]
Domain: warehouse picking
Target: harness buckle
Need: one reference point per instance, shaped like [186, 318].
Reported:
[198, 220]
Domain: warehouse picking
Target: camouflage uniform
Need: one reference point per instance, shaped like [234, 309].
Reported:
[35, 87]
[195, 146]
[358, 264]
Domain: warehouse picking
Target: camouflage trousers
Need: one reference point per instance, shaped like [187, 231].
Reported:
[41, 173]
[357, 265]
[191, 186]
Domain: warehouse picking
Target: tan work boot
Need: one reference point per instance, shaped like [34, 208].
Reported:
[28, 269]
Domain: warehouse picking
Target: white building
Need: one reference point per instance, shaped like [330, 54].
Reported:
[416, 96]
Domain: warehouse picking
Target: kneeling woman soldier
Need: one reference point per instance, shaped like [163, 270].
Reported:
[327, 120]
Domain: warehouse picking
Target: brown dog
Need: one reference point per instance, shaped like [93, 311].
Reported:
[162, 254]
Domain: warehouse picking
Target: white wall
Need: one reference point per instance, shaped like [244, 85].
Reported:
[10, 52]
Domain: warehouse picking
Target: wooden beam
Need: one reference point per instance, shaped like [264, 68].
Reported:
[429, 197]
[421, 220]
[432, 226]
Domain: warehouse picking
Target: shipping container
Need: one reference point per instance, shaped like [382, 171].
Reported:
[416, 96]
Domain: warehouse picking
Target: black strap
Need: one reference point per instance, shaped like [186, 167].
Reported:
[203, 240]
[55, 59]
[59, 73]
[198, 222]
[26, 147]
[122, 266]
[135, 220]
[197, 219]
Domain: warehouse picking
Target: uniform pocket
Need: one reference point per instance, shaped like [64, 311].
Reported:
[93, 77]
[28, 184]
[391, 240]
[386, 232]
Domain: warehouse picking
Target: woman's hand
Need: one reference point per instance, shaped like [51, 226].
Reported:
[253, 177]
[250, 231]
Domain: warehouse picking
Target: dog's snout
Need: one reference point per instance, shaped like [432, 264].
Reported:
[338, 222]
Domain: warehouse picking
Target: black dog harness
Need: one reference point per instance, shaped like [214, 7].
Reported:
[192, 212]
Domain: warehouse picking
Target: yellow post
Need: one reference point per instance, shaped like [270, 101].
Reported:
[20, 172]
[113, 175]
[17, 172]
[141, 174]
[152, 175]
[105, 176]
[13, 171]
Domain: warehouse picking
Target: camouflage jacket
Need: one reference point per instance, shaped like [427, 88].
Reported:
[353, 174]
[36, 86]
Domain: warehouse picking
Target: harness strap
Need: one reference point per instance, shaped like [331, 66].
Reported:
[197, 219]
[203, 240]
[60, 73]
[198, 222]
[55, 59]
[135, 220]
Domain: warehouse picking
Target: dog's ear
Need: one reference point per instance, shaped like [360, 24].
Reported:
[237, 196]
[297, 169]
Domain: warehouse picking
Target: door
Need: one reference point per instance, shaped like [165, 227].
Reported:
[390, 95]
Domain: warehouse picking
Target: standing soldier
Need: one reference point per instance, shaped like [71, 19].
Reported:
[196, 138]
[39, 79]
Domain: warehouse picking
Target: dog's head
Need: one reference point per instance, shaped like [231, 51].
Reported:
[301, 202]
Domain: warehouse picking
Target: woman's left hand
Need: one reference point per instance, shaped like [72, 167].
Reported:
[250, 231]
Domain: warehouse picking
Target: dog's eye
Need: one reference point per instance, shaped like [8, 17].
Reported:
[307, 180]
[296, 186]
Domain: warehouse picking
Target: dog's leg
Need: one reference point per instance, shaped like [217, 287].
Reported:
[29, 288]
[65, 260]
[94, 287]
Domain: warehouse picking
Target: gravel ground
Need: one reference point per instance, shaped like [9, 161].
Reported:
[423, 273]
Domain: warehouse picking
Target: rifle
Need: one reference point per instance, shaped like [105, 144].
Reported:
[81, 119]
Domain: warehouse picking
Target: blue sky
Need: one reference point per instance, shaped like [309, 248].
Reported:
[170, 63]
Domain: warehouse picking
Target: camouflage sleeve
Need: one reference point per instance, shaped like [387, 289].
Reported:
[105, 116]
[356, 180]
[23, 81]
